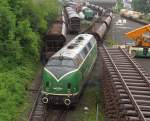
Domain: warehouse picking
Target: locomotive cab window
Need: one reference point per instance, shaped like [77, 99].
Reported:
[85, 51]
[78, 60]
[82, 54]
[89, 45]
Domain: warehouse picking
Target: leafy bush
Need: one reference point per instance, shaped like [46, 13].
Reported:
[13, 93]
[147, 19]
[141, 5]
[119, 6]
[22, 24]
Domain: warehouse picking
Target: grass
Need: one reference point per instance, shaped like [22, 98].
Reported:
[110, 42]
[147, 19]
[92, 96]
[85, 23]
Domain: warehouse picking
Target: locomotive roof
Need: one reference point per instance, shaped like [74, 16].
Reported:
[75, 46]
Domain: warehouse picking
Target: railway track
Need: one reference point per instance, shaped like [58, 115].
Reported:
[63, 116]
[56, 114]
[126, 87]
[38, 112]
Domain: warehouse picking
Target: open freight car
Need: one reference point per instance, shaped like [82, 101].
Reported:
[98, 9]
[100, 32]
[55, 38]
[73, 20]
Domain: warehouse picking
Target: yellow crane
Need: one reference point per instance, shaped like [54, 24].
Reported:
[141, 36]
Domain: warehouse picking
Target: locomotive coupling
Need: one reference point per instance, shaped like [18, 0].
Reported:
[67, 102]
[45, 100]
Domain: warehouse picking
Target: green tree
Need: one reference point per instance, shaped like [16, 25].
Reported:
[119, 5]
[22, 24]
[141, 5]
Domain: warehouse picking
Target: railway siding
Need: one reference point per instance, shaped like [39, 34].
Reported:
[126, 87]
[38, 112]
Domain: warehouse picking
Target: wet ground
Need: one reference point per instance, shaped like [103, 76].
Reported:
[119, 27]
[145, 62]
[117, 32]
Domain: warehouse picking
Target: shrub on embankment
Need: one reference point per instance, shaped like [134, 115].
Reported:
[22, 22]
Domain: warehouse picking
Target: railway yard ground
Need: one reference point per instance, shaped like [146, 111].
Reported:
[86, 109]
[116, 36]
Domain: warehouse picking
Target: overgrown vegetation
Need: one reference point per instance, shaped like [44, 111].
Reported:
[141, 5]
[87, 109]
[110, 42]
[119, 6]
[22, 23]
[147, 18]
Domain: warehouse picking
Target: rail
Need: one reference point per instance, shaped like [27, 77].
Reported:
[144, 77]
[125, 86]
[63, 115]
[38, 112]
[109, 56]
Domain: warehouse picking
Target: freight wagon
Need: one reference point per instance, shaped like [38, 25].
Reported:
[55, 38]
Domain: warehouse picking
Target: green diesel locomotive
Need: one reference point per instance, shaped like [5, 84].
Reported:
[65, 73]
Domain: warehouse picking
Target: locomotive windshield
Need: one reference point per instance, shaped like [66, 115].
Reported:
[60, 66]
[61, 62]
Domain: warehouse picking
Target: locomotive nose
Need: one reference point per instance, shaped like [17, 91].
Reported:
[45, 100]
[67, 102]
